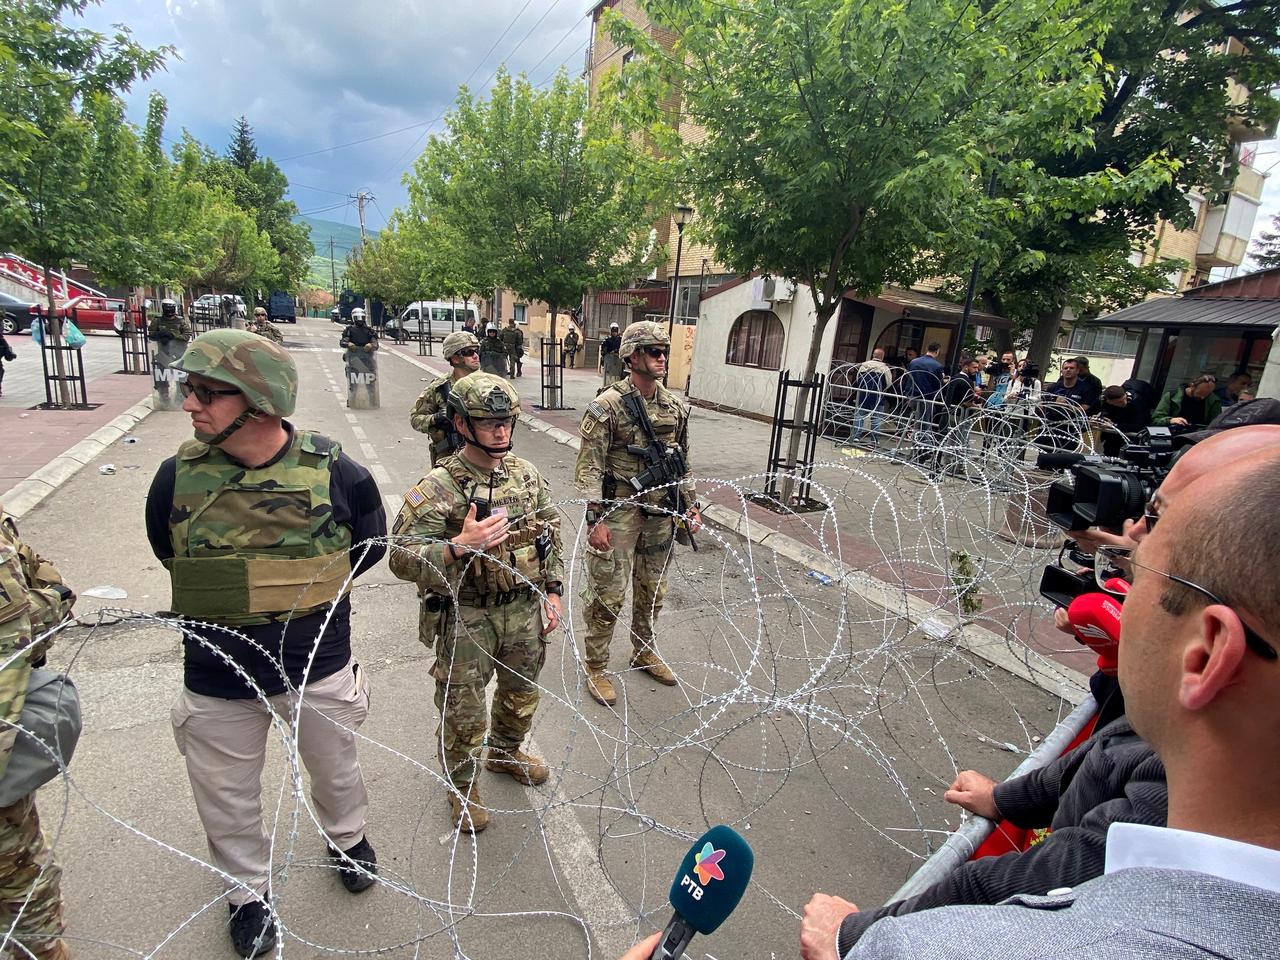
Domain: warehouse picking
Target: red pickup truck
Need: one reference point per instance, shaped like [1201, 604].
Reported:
[93, 313]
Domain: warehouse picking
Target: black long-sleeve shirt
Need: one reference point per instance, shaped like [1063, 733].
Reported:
[1112, 777]
[357, 504]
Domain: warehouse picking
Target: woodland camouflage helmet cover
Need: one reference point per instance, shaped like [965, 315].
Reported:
[263, 371]
[642, 333]
[484, 396]
[458, 340]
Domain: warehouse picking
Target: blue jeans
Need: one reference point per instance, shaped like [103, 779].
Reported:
[875, 414]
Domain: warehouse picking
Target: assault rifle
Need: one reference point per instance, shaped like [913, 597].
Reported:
[664, 466]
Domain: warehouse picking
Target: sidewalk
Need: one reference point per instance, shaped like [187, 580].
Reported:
[33, 439]
[880, 518]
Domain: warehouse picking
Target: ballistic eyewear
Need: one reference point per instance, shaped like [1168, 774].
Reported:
[656, 352]
[466, 352]
[202, 393]
[1111, 562]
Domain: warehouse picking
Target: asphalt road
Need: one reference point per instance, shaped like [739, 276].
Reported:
[803, 720]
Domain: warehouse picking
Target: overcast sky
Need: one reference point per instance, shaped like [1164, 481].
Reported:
[312, 74]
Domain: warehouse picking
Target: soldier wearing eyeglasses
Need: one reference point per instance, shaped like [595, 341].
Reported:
[633, 466]
[430, 413]
[262, 527]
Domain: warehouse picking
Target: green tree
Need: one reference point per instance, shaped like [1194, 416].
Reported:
[58, 87]
[242, 151]
[1266, 249]
[380, 268]
[1171, 75]
[849, 145]
[532, 186]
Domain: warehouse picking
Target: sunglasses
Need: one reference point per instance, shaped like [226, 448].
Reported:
[1110, 562]
[202, 393]
[656, 352]
[493, 423]
[466, 352]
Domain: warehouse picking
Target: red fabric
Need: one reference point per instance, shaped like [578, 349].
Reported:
[1006, 838]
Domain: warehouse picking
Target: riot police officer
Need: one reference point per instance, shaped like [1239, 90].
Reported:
[633, 466]
[360, 343]
[430, 413]
[170, 334]
[493, 352]
[481, 538]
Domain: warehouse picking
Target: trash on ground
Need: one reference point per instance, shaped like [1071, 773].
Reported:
[105, 593]
[107, 469]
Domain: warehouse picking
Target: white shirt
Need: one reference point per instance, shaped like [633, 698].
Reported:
[1138, 845]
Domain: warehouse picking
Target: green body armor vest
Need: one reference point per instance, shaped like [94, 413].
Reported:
[252, 546]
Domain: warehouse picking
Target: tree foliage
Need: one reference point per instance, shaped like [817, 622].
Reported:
[532, 190]
[1172, 74]
[381, 269]
[242, 151]
[1266, 249]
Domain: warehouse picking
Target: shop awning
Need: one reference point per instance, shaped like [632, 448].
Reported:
[923, 306]
[1196, 312]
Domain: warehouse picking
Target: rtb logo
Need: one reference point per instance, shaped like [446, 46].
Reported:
[707, 867]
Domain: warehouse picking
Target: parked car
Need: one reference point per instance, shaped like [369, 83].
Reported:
[210, 305]
[18, 313]
[93, 313]
[281, 308]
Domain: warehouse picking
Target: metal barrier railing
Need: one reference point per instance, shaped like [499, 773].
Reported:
[960, 846]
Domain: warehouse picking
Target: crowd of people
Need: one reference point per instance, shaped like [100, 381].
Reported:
[919, 392]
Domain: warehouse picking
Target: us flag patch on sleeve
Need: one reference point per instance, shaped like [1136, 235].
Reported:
[415, 497]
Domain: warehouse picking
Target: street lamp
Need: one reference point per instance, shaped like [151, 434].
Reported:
[682, 217]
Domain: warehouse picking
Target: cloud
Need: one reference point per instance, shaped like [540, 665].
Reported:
[310, 74]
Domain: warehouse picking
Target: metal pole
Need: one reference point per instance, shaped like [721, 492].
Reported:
[333, 274]
[970, 291]
[675, 281]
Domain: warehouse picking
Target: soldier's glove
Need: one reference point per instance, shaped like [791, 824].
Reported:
[368, 348]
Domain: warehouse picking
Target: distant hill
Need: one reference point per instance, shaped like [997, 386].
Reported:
[346, 237]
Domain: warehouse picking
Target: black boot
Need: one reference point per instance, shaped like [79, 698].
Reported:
[362, 853]
[253, 929]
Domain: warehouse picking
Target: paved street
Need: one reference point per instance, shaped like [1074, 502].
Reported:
[805, 718]
[24, 377]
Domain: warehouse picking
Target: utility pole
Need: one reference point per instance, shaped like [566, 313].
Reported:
[360, 197]
[333, 274]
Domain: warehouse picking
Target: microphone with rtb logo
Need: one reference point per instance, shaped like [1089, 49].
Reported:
[711, 880]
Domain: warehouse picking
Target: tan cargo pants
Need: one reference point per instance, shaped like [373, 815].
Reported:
[640, 552]
[225, 742]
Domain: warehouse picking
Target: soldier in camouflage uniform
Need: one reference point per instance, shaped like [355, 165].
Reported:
[264, 327]
[493, 352]
[430, 414]
[481, 538]
[630, 541]
[33, 599]
[262, 528]
[513, 339]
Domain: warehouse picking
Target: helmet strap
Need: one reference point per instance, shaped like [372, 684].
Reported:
[495, 452]
[214, 439]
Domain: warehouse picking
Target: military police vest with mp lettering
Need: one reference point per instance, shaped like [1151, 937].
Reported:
[256, 545]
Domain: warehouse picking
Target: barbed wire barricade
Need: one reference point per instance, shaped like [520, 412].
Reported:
[839, 661]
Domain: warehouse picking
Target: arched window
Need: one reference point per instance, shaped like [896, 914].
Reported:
[756, 341]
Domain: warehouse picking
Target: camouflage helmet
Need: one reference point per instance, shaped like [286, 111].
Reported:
[484, 396]
[263, 371]
[642, 333]
[458, 340]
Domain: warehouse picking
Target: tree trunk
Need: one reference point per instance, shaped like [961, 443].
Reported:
[1048, 327]
[53, 337]
[787, 487]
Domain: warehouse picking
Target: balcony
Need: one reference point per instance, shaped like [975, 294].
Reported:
[1241, 131]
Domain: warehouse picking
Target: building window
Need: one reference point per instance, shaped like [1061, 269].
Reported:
[756, 341]
[1111, 341]
[522, 313]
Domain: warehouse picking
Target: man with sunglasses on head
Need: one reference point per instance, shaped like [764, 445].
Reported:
[1199, 669]
[480, 536]
[430, 413]
[262, 527]
[637, 499]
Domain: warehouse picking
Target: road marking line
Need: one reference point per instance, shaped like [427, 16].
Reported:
[369, 452]
[380, 474]
[393, 503]
[352, 418]
[358, 432]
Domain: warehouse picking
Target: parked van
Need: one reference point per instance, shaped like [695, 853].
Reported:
[439, 317]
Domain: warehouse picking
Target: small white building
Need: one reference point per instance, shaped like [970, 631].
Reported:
[751, 328]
